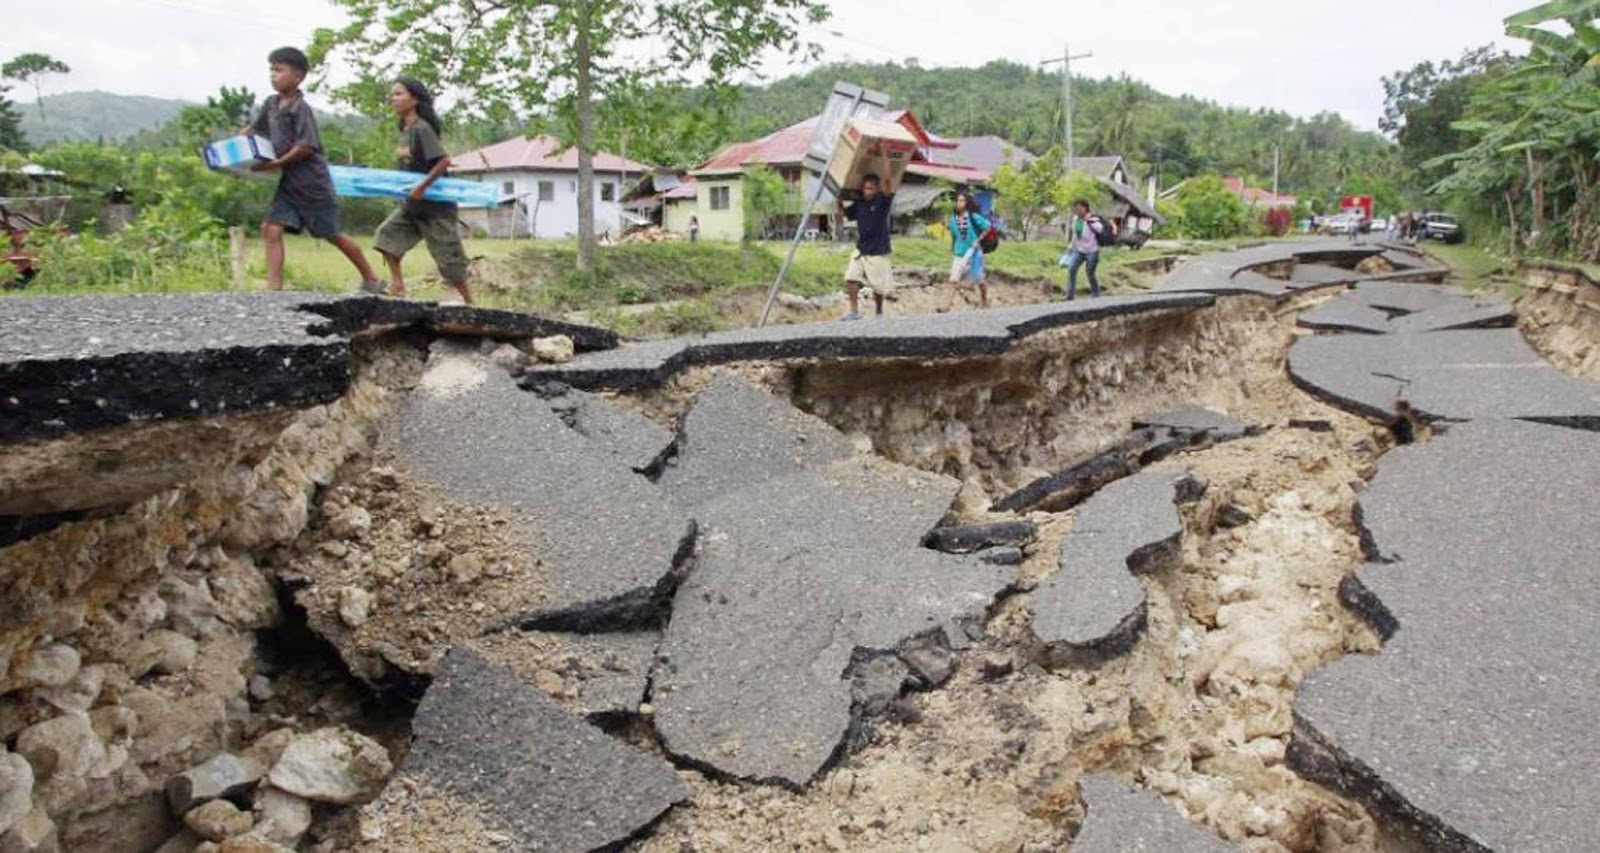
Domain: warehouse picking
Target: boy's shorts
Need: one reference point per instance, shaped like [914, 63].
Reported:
[872, 270]
[319, 220]
[969, 265]
[402, 230]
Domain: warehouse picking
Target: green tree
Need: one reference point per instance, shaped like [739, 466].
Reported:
[30, 68]
[1530, 168]
[221, 115]
[1029, 197]
[766, 194]
[11, 137]
[1422, 105]
[559, 59]
[1211, 211]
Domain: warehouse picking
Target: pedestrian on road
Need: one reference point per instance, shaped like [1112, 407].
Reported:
[869, 263]
[1087, 232]
[694, 228]
[417, 219]
[304, 200]
[967, 227]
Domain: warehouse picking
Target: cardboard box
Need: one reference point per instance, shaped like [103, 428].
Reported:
[860, 150]
[359, 182]
[237, 154]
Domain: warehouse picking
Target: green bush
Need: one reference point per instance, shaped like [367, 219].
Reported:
[170, 246]
[1211, 211]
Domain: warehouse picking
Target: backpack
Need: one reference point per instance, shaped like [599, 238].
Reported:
[988, 240]
[1105, 234]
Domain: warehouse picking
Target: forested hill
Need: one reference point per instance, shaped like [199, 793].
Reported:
[1184, 135]
[91, 116]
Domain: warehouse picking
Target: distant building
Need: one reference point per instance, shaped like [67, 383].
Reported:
[539, 186]
[1257, 197]
[719, 203]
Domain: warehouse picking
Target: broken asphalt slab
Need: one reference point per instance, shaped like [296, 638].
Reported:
[609, 540]
[527, 766]
[1197, 420]
[601, 676]
[964, 334]
[1349, 313]
[1398, 298]
[635, 440]
[1093, 604]
[1122, 818]
[1345, 314]
[1475, 724]
[1480, 313]
[809, 564]
[69, 364]
[1455, 375]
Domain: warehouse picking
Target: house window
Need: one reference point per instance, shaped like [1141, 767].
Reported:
[508, 188]
[547, 190]
[719, 198]
[608, 191]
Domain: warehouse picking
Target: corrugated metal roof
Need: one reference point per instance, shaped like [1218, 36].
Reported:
[536, 154]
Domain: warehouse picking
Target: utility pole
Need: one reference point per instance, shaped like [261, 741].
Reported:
[1277, 159]
[1066, 96]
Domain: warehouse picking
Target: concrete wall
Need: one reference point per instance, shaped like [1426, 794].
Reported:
[558, 217]
[720, 224]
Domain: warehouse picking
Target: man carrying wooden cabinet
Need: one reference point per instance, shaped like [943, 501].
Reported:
[869, 263]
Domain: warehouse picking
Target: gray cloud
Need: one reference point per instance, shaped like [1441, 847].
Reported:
[1301, 57]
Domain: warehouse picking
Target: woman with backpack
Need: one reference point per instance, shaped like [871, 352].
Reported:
[967, 229]
[1087, 232]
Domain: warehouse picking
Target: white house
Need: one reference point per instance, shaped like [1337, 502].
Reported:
[539, 184]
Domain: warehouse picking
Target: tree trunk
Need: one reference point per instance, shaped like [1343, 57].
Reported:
[584, 109]
[1536, 187]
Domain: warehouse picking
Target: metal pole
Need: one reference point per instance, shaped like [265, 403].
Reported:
[799, 230]
[1066, 100]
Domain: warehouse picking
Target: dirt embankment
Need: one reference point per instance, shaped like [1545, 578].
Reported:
[1201, 709]
[1560, 313]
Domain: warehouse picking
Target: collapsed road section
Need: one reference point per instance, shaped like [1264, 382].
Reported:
[289, 572]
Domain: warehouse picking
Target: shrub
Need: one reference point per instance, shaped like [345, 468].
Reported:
[1211, 211]
[1277, 221]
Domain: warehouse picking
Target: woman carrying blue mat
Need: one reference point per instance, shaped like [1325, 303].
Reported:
[417, 219]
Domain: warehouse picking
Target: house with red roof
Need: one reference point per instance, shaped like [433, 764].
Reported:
[1257, 197]
[718, 199]
[538, 180]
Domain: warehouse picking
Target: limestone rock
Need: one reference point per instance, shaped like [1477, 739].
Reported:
[508, 357]
[62, 751]
[79, 694]
[332, 765]
[252, 844]
[281, 816]
[355, 606]
[556, 349]
[35, 832]
[224, 775]
[244, 596]
[49, 665]
[16, 789]
[350, 523]
[218, 819]
[164, 652]
[190, 608]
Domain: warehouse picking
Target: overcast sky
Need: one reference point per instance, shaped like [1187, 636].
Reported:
[1303, 57]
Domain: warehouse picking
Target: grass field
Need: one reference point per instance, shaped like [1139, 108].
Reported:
[644, 289]
[1476, 269]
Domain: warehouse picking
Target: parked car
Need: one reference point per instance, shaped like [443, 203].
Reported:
[1442, 226]
[1342, 224]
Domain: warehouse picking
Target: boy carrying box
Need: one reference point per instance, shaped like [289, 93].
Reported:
[305, 200]
[869, 263]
